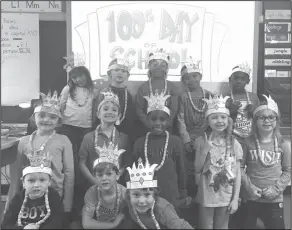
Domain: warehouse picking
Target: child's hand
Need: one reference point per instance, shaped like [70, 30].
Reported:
[119, 219]
[271, 192]
[32, 226]
[233, 206]
[189, 147]
[188, 201]
[254, 192]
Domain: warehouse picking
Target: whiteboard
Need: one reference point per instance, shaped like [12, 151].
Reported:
[20, 65]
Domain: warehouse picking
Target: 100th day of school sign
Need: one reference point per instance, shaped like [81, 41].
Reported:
[133, 30]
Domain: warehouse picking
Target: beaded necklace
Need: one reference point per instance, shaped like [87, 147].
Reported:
[164, 90]
[276, 148]
[193, 104]
[117, 204]
[113, 137]
[164, 151]
[247, 97]
[86, 98]
[125, 107]
[42, 220]
[152, 217]
[42, 147]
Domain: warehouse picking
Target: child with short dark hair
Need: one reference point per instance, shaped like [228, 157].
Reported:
[104, 202]
[146, 209]
[37, 206]
[267, 158]
[160, 147]
[157, 72]
[242, 103]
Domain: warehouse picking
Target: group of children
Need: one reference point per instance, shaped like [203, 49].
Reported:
[88, 162]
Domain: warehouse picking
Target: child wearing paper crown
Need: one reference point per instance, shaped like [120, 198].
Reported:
[267, 158]
[163, 149]
[242, 103]
[146, 209]
[119, 72]
[104, 136]
[191, 115]
[104, 202]
[45, 139]
[37, 206]
[157, 73]
[218, 156]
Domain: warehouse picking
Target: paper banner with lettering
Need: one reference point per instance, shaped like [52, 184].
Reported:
[133, 30]
[277, 51]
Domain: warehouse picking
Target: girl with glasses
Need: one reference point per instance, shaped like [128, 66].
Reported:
[267, 158]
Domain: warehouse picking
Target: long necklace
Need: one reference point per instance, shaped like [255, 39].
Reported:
[117, 205]
[125, 107]
[42, 147]
[259, 151]
[86, 99]
[164, 90]
[226, 154]
[193, 104]
[113, 137]
[152, 217]
[164, 151]
[247, 97]
[23, 206]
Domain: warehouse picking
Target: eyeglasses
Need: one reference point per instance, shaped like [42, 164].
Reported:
[264, 118]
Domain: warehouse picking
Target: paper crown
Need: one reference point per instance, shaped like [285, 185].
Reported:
[109, 96]
[157, 102]
[216, 104]
[119, 63]
[271, 104]
[50, 104]
[243, 67]
[73, 61]
[109, 154]
[191, 67]
[159, 54]
[142, 176]
[39, 162]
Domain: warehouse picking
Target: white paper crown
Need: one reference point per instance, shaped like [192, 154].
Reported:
[243, 67]
[50, 104]
[142, 176]
[73, 61]
[159, 54]
[39, 162]
[157, 102]
[192, 66]
[109, 96]
[271, 104]
[216, 104]
[119, 63]
[109, 154]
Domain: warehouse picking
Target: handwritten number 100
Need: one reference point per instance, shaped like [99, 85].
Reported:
[128, 25]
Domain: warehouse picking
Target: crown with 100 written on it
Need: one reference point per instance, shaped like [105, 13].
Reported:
[271, 104]
[109, 96]
[142, 176]
[157, 101]
[159, 54]
[191, 66]
[50, 103]
[120, 62]
[243, 67]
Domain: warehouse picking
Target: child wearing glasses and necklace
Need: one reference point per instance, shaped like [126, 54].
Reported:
[267, 158]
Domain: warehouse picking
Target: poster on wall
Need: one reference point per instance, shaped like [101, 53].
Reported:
[20, 78]
[278, 14]
[277, 51]
[31, 6]
[277, 38]
[277, 62]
